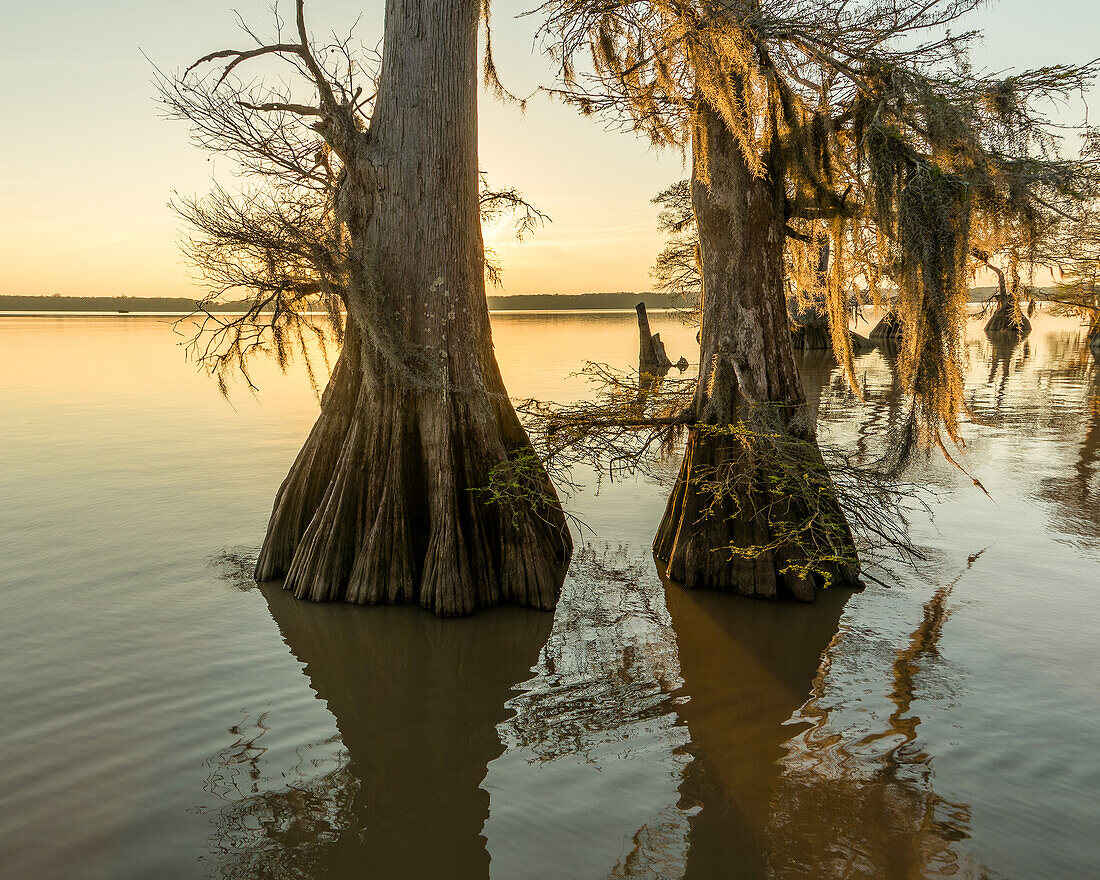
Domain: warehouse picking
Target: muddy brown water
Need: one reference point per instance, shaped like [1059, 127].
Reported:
[162, 717]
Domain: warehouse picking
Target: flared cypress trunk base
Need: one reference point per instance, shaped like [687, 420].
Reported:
[736, 539]
[403, 496]
[1008, 318]
[815, 337]
[888, 329]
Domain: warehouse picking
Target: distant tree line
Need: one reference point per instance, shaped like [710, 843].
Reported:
[515, 302]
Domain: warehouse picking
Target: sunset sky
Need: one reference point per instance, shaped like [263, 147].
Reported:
[87, 164]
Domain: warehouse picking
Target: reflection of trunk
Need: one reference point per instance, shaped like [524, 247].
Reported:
[1094, 343]
[648, 384]
[746, 372]
[1002, 347]
[747, 667]
[416, 701]
[381, 504]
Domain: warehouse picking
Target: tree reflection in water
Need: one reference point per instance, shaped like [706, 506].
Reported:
[654, 738]
[416, 701]
[595, 742]
[864, 806]
[1074, 494]
[274, 826]
[747, 665]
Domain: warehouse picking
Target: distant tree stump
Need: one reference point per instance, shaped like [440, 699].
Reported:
[810, 332]
[652, 358]
[663, 362]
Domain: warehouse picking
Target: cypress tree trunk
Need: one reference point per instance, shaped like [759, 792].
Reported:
[810, 331]
[746, 370]
[384, 503]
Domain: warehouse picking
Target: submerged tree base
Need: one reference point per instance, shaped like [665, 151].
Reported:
[815, 336]
[1008, 318]
[888, 329]
[426, 496]
[755, 513]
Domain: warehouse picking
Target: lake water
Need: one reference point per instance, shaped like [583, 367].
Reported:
[160, 716]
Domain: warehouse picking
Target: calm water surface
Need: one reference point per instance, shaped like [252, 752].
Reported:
[162, 717]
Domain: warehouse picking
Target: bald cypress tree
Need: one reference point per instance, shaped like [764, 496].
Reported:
[418, 482]
[860, 125]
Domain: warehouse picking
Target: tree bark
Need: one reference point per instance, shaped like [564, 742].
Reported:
[746, 367]
[664, 362]
[385, 503]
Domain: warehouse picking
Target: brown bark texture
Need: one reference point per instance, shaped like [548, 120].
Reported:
[746, 368]
[387, 501]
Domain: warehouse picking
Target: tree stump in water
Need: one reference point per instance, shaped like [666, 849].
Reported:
[1094, 344]
[652, 358]
[1008, 317]
[663, 361]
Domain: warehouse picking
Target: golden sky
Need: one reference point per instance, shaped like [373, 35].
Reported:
[87, 165]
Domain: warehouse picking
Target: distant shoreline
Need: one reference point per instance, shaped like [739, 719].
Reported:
[181, 306]
[184, 306]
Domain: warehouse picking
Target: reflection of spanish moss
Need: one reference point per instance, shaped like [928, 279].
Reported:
[273, 822]
[610, 661]
[886, 409]
[846, 808]
[601, 698]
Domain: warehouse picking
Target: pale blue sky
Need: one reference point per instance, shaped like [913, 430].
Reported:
[87, 165]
